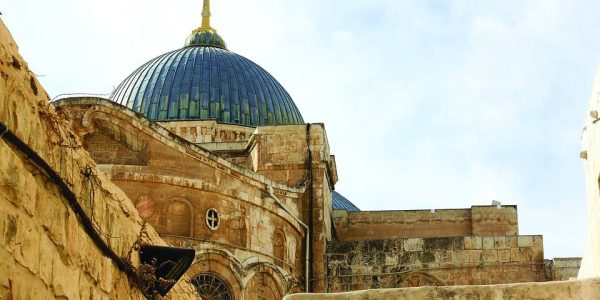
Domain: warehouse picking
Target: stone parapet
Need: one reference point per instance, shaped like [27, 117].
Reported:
[478, 220]
[563, 268]
[564, 290]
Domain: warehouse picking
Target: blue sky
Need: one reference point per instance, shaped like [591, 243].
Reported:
[427, 104]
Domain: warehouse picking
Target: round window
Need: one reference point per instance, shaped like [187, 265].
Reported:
[212, 219]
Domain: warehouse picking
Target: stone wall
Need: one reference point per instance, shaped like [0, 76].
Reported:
[281, 153]
[370, 264]
[494, 220]
[105, 149]
[590, 155]
[557, 290]
[45, 252]
[209, 132]
[563, 268]
[479, 220]
[177, 186]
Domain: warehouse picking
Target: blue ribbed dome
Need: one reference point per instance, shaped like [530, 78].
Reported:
[204, 81]
[340, 202]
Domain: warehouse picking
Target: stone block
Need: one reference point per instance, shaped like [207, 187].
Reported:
[391, 260]
[500, 242]
[504, 255]
[52, 215]
[488, 242]
[9, 234]
[6, 265]
[106, 275]
[525, 241]
[475, 256]
[47, 251]
[414, 244]
[567, 262]
[11, 178]
[538, 241]
[24, 285]
[511, 241]
[65, 279]
[461, 256]
[490, 255]
[517, 255]
[31, 195]
[73, 235]
[87, 289]
[447, 256]
[473, 242]
[458, 243]
[28, 245]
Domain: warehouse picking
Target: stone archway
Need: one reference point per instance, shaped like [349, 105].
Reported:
[417, 279]
[262, 286]
[221, 264]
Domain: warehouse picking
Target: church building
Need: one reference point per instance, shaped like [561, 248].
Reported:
[215, 155]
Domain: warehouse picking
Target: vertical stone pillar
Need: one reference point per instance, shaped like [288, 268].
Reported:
[322, 182]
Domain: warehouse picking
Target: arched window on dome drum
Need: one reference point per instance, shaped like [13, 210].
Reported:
[279, 247]
[211, 287]
[179, 217]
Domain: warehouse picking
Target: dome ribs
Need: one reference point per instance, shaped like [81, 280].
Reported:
[207, 83]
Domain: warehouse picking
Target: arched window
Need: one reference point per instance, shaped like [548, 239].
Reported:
[179, 218]
[211, 287]
[279, 247]
[262, 286]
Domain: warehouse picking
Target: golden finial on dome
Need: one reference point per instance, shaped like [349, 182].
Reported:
[205, 26]
[205, 35]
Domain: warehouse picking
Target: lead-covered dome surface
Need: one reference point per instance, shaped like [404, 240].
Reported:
[342, 203]
[207, 82]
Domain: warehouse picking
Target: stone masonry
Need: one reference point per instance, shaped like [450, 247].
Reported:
[45, 252]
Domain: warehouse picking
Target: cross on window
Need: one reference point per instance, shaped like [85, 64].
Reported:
[212, 218]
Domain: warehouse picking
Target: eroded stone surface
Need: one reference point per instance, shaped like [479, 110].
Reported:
[556, 290]
[44, 251]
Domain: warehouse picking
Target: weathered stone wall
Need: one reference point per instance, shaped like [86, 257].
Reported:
[590, 140]
[209, 132]
[479, 220]
[227, 141]
[179, 183]
[563, 268]
[494, 220]
[557, 290]
[281, 153]
[45, 252]
[369, 264]
[105, 149]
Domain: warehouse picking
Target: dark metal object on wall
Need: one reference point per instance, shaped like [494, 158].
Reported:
[171, 262]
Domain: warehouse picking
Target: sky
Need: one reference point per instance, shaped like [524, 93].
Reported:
[427, 104]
